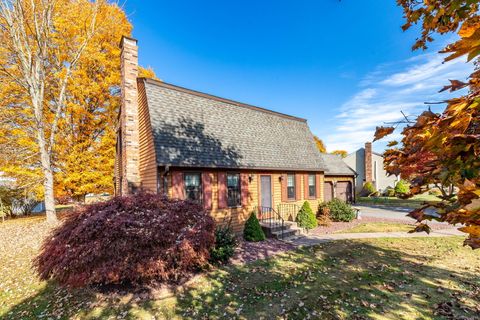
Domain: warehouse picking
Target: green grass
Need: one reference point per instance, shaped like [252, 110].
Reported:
[367, 279]
[378, 227]
[414, 202]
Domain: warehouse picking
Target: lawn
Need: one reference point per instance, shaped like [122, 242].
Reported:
[413, 202]
[414, 278]
[378, 227]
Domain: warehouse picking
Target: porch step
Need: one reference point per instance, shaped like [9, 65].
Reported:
[277, 231]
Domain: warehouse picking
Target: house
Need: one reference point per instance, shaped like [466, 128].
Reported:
[232, 157]
[369, 167]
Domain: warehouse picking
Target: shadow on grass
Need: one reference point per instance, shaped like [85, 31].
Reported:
[345, 279]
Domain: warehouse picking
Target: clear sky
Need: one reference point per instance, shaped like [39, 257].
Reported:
[346, 66]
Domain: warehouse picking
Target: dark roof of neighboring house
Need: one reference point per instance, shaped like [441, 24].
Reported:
[335, 166]
[194, 129]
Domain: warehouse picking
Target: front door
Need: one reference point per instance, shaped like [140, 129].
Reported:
[266, 191]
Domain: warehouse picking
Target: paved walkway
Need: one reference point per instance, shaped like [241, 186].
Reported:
[396, 213]
[311, 240]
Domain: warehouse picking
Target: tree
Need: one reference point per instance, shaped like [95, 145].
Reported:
[341, 153]
[40, 50]
[320, 145]
[442, 149]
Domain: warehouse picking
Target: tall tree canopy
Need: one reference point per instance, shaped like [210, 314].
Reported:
[320, 145]
[341, 153]
[59, 94]
[443, 150]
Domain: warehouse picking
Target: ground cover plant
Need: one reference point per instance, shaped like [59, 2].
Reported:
[132, 239]
[414, 278]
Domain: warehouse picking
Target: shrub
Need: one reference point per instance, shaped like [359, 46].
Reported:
[402, 187]
[341, 211]
[434, 192]
[132, 239]
[368, 189]
[389, 192]
[225, 244]
[305, 217]
[253, 231]
[323, 215]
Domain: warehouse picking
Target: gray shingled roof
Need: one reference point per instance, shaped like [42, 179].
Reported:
[335, 166]
[192, 129]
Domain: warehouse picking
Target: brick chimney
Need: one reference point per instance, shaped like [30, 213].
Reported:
[128, 120]
[368, 162]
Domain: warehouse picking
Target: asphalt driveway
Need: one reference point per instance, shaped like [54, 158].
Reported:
[383, 212]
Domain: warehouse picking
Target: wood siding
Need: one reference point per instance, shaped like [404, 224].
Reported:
[250, 194]
[148, 162]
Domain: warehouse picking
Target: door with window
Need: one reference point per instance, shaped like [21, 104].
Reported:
[266, 191]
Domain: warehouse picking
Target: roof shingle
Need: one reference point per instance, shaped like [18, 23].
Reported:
[192, 129]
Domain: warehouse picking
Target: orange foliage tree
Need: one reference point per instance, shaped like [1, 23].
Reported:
[443, 150]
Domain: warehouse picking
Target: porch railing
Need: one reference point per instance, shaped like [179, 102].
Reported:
[288, 211]
[270, 218]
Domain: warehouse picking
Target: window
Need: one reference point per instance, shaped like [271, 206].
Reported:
[311, 186]
[290, 186]
[233, 190]
[193, 186]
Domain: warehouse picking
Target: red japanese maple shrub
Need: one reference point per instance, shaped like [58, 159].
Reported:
[134, 239]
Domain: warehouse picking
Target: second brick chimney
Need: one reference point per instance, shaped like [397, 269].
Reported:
[368, 162]
[128, 132]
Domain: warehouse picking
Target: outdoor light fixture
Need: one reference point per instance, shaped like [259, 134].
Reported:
[250, 177]
[280, 178]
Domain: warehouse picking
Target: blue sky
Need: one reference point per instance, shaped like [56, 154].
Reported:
[346, 66]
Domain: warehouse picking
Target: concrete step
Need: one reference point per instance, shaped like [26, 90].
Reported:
[290, 233]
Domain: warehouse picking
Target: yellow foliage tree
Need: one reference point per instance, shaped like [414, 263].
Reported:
[57, 123]
[320, 145]
[341, 153]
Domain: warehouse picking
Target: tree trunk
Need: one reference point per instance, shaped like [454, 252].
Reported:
[48, 178]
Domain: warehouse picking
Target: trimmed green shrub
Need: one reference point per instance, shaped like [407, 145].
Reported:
[253, 231]
[305, 217]
[368, 189]
[402, 187]
[225, 244]
[341, 211]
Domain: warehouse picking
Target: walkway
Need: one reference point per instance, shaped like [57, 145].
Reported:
[311, 240]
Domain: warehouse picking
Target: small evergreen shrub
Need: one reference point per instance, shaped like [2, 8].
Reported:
[305, 217]
[341, 211]
[253, 231]
[133, 239]
[225, 244]
[402, 187]
[368, 190]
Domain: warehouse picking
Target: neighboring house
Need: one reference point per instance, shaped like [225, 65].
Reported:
[369, 167]
[232, 157]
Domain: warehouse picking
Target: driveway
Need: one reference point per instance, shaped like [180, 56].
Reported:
[383, 212]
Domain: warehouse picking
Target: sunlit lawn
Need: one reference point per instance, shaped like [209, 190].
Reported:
[414, 278]
[378, 227]
[413, 202]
